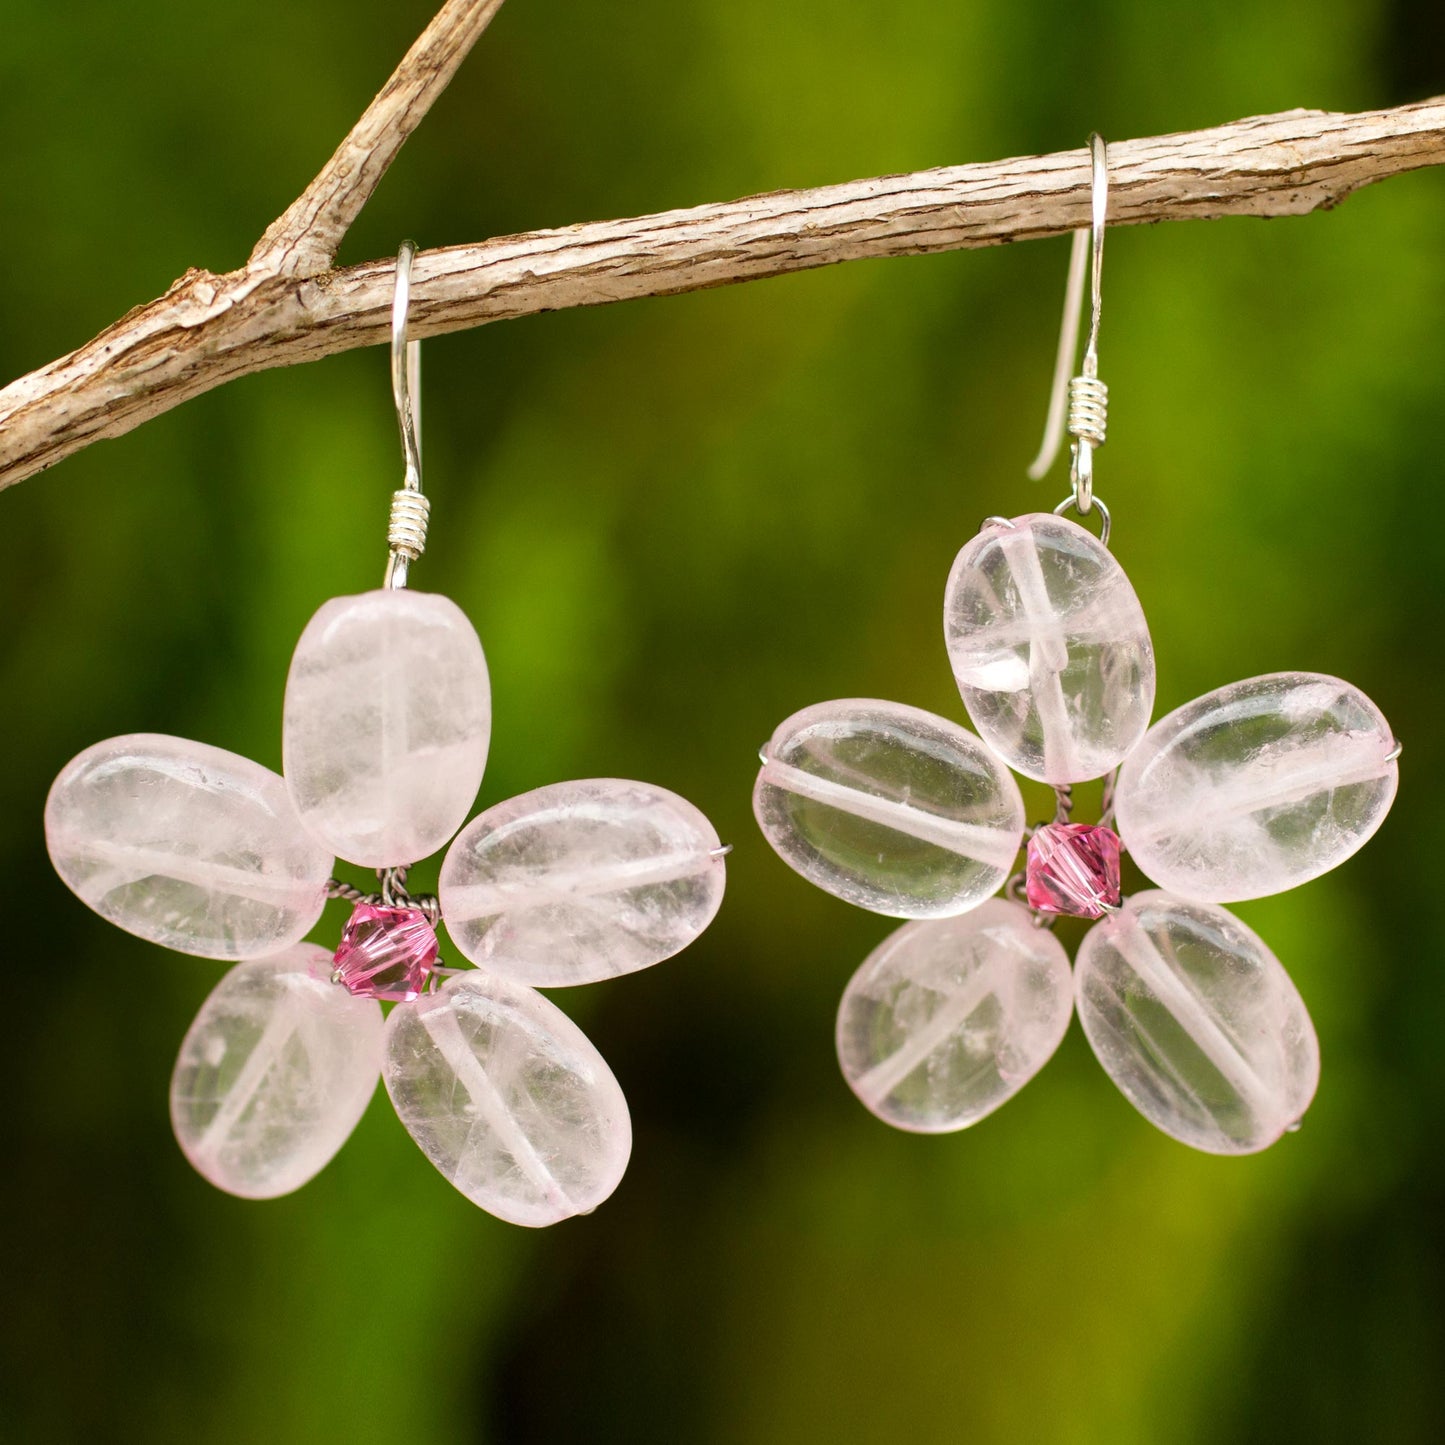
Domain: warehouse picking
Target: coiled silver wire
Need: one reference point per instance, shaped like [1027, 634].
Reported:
[406, 530]
[1088, 409]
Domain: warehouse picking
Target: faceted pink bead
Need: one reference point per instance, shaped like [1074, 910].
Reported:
[1073, 868]
[385, 953]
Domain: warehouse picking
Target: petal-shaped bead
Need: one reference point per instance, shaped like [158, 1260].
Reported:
[1049, 647]
[581, 881]
[1257, 787]
[274, 1074]
[889, 807]
[949, 1018]
[388, 716]
[187, 846]
[1197, 1023]
[508, 1098]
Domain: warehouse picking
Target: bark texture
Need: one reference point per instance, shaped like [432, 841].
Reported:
[287, 305]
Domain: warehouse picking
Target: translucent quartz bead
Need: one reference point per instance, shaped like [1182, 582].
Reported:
[1049, 647]
[1257, 787]
[889, 807]
[274, 1074]
[581, 881]
[388, 715]
[187, 846]
[1196, 1022]
[948, 1019]
[508, 1098]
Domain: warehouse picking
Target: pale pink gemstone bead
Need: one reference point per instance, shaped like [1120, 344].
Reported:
[1257, 787]
[948, 1019]
[508, 1098]
[187, 846]
[387, 720]
[889, 807]
[274, 1074]
[581, 881]
[1049, 648]
[1197, 1023]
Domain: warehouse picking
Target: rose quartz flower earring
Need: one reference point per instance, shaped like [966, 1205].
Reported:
[387, 721]
[1247, 791]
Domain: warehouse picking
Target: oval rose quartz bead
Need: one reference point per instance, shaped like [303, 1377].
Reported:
[1049, 647]
[187, 846]
[950, 1018]
[388, 715]
[1257, 787]
[581, 881]
[508, 1098]
[889, 807]
[1197, 1023]
[274, 1074]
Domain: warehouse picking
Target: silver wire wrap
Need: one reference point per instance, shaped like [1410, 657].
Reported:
[1088, 409]
[406, 533]
[1088, 422]
[391, 894]
[1106, 802]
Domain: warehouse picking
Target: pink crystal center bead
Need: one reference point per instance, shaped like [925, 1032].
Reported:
[385, 953]
[1073, 868]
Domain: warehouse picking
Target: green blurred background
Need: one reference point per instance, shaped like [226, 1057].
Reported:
[675, 522]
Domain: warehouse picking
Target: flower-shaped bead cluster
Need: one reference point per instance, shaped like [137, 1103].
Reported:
[1247, 791]
[387, 721]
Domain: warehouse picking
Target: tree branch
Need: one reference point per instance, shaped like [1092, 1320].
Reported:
[208, 329]
[304, 239]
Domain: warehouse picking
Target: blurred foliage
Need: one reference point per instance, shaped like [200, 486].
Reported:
[674, 523]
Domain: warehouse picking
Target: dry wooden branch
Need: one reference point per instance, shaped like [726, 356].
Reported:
[304, 239]
[285, 306]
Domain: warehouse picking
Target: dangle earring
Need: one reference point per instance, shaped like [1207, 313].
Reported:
[387, 723]
[1247, 791]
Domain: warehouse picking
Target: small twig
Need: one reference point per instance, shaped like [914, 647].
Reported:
[280, 310]
[304, 239]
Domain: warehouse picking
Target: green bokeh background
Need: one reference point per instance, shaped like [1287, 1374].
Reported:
[673, 523]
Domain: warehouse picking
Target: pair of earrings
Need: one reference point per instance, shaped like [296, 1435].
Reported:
[386, 723]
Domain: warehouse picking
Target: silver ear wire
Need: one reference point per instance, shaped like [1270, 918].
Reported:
[410, 509]
[1087, 397]
[1063, 361]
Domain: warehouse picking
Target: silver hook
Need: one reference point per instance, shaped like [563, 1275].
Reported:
[1099, 211]
[406, 534]
[1086, 396]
